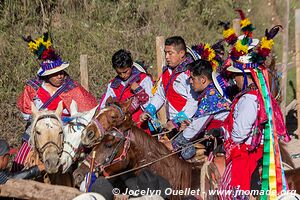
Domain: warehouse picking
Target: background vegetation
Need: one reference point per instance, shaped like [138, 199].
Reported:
[100, 27]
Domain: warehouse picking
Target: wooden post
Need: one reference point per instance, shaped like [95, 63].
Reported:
[285, 49]
[236, 26]
[160, 62]
[84, 76]
[297, 36]
[28, 189]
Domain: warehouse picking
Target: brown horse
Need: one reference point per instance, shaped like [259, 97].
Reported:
[128, 147]
[104, 120]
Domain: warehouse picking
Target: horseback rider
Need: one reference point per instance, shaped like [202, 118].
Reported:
[51, 86]
[212, 110]
[251, 129]
[133, 82]
[174, 89]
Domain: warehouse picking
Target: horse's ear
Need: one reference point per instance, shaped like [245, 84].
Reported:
[59, 108]
[34, 110]
[73, 108]
[109, 101]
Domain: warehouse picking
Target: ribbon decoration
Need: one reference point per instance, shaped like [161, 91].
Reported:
[273, 178]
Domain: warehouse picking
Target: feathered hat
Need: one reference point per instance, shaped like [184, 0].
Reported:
[248, 56]
[42, 48]
[213, 54]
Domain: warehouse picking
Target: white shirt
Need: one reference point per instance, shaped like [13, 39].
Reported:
[182, 86]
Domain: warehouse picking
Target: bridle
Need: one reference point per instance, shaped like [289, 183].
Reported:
[111, 159]
[74, 149]
[99, 125]
[49, 143]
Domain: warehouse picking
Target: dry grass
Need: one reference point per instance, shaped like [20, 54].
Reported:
[99, 28]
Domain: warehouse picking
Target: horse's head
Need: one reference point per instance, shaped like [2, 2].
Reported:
[113, 115]
[112, 155]
[47, 136]
[73, 131]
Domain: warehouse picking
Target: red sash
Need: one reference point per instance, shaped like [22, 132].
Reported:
[176, 100]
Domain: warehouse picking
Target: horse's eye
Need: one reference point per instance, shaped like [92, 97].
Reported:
[90, 134]
[37, 132]
[61, 132]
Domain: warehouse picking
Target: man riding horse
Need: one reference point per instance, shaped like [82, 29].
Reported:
[213, 105]
[51, 86]
[174, 88]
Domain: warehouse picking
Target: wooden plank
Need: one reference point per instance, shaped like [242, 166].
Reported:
[297, 60]
[285, 49]
[160, 62]
[236, 26]
[84, 76]
[28, 189]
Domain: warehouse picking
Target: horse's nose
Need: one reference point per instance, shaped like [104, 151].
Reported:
[51, 165]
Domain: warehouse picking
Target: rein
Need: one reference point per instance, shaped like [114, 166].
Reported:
[43, 148]
[74, 149]
[111, 159]
[155, 161]
[123, 155]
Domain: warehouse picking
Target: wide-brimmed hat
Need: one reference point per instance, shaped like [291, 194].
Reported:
[214, 55]
[90, 196]
[50, 61]
[193, 53]
[244, 63]
[49, 67]
[221, 84]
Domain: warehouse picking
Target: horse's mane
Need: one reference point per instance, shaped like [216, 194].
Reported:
[34, 121]
[148, 149]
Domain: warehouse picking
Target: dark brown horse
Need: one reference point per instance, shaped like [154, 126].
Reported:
[128, 147]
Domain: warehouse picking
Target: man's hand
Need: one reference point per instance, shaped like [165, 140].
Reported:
[134, 86]
[184, 124]
[144, 117]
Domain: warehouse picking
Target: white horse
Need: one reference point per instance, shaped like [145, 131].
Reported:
[72, 134]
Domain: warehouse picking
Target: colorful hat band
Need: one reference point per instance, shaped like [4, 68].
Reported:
[223, 84]
[48, 65]
[243, 66]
